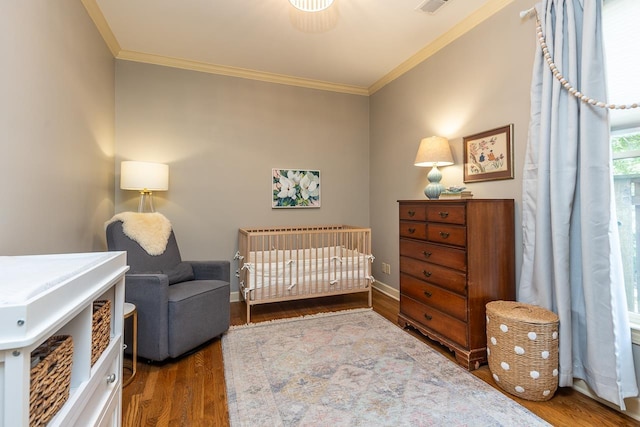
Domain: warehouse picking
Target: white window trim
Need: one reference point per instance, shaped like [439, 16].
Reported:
[635, 333]
[634, 320]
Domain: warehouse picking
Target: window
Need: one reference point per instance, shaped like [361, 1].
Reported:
[622, 51]
[626, 182]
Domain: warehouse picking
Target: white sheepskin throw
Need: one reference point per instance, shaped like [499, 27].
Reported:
[150, 230]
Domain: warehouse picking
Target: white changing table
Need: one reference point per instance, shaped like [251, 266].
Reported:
[45, 295]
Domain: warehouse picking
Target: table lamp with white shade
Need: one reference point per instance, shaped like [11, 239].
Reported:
[145, 177]
[434, 151]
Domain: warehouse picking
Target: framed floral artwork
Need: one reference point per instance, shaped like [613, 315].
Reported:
[295, 188]
[488, 155]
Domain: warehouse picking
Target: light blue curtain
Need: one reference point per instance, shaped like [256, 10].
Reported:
[571, 256]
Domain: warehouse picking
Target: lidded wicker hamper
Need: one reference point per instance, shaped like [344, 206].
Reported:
[522, 349]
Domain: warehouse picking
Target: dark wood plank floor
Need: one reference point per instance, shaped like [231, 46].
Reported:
[190, 391]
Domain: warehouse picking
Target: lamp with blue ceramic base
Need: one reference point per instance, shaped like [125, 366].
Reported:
[434, 151]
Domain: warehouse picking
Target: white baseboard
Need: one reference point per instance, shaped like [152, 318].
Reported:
[387, 290]
[632, 403]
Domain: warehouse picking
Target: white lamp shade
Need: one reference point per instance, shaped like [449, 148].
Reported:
[144, 176]
[433, 151]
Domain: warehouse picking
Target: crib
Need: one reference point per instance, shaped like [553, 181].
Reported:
[289, 263]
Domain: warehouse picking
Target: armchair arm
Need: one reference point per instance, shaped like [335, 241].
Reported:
[211, 270]
[150, 294]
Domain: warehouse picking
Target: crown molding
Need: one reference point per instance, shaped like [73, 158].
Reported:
[466, 25]
[103, 27]
[105, 31]
[243, 73]
[473, 20]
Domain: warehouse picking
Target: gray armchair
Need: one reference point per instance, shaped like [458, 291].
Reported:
[180, 305]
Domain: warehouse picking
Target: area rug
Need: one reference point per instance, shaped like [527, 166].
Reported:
[353, 368]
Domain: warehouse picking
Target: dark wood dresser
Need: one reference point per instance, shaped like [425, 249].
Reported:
[455, 256]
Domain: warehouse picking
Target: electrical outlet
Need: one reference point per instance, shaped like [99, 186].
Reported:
[386, 268]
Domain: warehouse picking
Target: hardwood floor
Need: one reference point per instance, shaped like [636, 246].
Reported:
[190, 391]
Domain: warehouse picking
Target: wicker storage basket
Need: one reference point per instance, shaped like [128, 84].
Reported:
[522, 349]
[100, 329]
[50, 379]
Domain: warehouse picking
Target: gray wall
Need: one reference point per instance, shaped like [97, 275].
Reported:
[221, 136]
[479, 82]
[56, 129]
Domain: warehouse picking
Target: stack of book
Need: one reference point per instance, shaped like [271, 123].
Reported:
[464, 194]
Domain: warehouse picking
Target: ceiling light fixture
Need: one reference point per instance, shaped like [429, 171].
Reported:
[311, 5]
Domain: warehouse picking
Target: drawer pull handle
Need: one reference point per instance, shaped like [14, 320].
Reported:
[426, 273]
[444, 235]
[111, 379]
[444, 214]
[411, 213]
[412, 230]
[427, 316]
[426, 254]
[428, 294]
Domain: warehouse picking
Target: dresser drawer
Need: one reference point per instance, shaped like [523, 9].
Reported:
[436, 254]
[434, 296]
[435, 320]
[414, 230]
[447, 234]
[413, 212]
[447, 278]
[447, 213]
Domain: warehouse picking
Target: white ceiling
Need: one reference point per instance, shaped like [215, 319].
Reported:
[356, 44]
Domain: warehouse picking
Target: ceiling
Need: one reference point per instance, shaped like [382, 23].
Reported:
[355, 46]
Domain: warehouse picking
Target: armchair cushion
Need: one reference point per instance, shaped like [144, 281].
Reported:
[211, 270]
[182, 272]
[195, 307]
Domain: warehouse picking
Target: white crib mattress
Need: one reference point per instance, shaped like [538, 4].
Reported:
[289, 268]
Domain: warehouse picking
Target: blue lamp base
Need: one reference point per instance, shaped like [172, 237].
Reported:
[434, 189]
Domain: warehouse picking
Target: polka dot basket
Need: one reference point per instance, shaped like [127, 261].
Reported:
[522, 349]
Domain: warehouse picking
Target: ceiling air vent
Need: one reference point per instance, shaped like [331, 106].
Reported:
[431, 6]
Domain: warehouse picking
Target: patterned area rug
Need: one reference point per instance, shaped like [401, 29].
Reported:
[353, 368]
